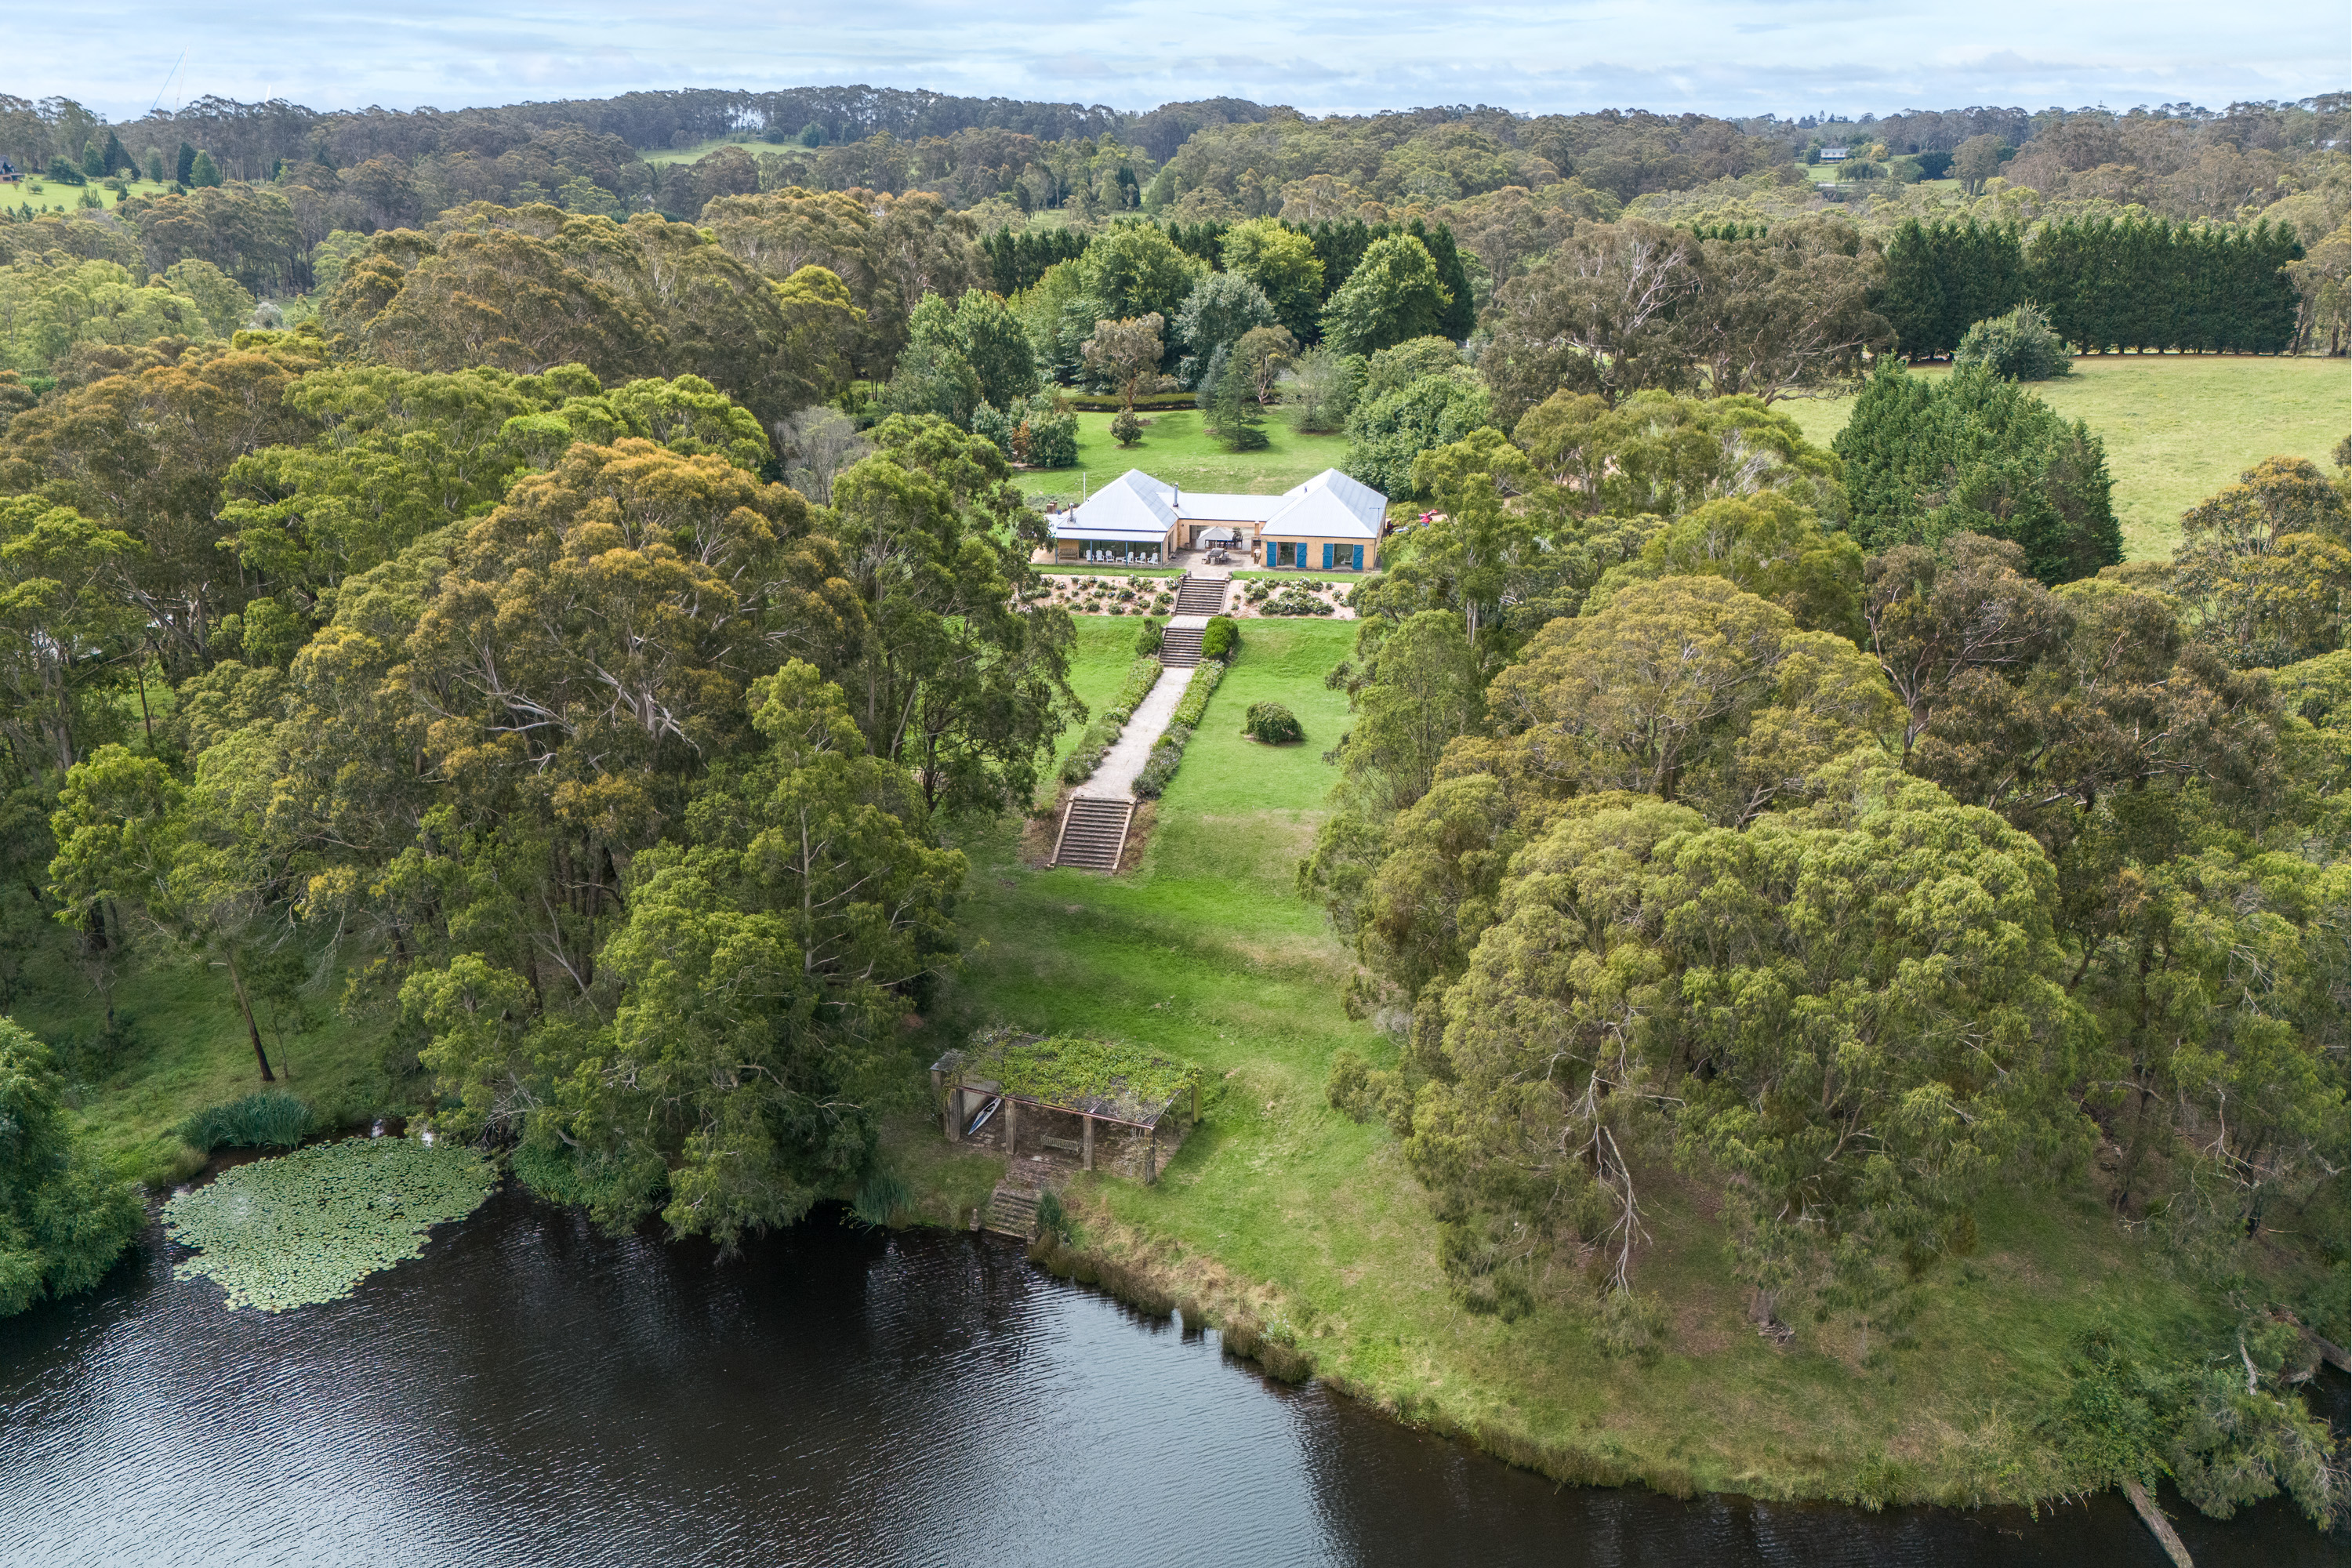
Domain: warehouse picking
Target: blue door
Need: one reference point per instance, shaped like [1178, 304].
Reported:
[1357, 564]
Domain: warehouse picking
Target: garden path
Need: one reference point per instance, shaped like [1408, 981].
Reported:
[1115, 777]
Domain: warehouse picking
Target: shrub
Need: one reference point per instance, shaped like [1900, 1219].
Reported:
[1195, 702]
[1223, 635]
[1127, 429]
[1293, 599]
[1273, 723]
[1167, 753]
[1147, 637]
[272, 1119]
[2019, 345]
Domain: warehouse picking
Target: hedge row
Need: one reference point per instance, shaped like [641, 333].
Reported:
[1103, 733]
[1161, 766]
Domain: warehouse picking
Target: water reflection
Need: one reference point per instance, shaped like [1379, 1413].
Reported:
[531, 1391]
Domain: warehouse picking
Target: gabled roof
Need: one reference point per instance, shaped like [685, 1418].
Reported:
[1330, 505]
[1135, 506]
[1131, 507]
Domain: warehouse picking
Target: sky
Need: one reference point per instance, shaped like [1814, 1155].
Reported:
[119, 57]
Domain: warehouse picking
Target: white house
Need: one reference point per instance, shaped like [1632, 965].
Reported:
[1330, 524]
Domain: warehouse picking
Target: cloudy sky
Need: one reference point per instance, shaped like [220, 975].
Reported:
[1763, 56]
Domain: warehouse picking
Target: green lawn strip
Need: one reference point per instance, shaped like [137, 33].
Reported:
[1175, 448]
[1206, 952]
[2177, 427]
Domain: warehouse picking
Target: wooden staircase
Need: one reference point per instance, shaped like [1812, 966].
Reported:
[1094, 832]
[1180, 647]
[1011, 1211]
[1200, 595]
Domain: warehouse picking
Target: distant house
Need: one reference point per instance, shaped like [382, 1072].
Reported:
[1832, 155]
[1330, 524]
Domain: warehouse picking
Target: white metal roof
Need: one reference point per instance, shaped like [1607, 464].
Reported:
[1208, 505]
[1135, 506]
[1330, 505]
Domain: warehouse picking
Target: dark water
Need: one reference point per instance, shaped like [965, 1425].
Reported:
[529, 1392]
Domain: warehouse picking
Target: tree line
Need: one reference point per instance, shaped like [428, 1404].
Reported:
[2104, 283]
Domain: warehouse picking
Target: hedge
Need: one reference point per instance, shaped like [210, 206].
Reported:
[1168, 753]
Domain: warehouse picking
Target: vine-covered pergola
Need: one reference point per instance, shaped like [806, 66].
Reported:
[1004, 1073]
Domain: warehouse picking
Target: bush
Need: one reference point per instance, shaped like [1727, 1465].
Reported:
[1296, 600]
[63, 1221]
[272, 1119]
[1127, 429]
[1273, 723]
[1147, 637]
[2019, 345]
[1167, 755]
[1220, 638]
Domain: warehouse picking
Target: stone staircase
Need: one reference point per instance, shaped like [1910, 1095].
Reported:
[1011, 1211]
[1094, 832]
[1200, 595]
[1180, 647]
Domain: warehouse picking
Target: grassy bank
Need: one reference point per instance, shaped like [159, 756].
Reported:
[1175, 448]
[2177, 427]
[1282, 1208]
[181, 1046]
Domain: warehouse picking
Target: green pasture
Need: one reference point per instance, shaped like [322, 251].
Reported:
[1175, 448]
[2177, 427]
[704, 149]
[55, 197]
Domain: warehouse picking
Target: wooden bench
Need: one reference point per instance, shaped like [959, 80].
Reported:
[1066, 1145]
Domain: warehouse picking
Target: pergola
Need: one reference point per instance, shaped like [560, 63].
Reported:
[1003, 1073]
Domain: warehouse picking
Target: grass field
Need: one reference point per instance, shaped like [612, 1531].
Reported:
[1175, 448]
[2177, 427]
[55, 197]
[1207, 951]
[704, 149]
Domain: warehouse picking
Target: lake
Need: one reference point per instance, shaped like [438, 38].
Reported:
[532, 1391]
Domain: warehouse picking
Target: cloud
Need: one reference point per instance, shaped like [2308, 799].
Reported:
[1320, 56]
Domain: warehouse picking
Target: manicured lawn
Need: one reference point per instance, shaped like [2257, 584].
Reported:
[1208, 952]
[2177, 427]
[1175, 448]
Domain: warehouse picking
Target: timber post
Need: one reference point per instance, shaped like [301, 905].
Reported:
[1012, 1128]
[1087, 1138]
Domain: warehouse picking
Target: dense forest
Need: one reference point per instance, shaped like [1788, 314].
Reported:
[562, 604]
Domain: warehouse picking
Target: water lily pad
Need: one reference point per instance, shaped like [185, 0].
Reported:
[308, 1226]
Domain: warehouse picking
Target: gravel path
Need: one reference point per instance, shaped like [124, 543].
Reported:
[1121, 765]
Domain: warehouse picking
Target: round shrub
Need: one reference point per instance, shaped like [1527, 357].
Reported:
[1222, 637]
[2019, 345]
[1272, 723]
